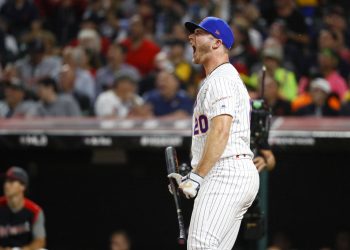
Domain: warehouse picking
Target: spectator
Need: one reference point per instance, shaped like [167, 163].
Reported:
[319, 91]
[342, 241]
[121, 101]
[183, 69]
[198, 10]
[84, 83]
[280, 241]
[161, 62]
[105, 76]
[252, 18]
[8, 45]
[167, 100]
[328, 39]
[96, 12]
[279, 106]
[21, 220]
[120, 241]
[15, 104]
[328, 62]
[90, 42]
[111, 27]
[66, 84]
[83, 59]
[19, 14]
[140, 50]
[168, 14]
[272, 58]
[327, 68]
[179, 32]
[8, 72]
[64, 18]
[54, 104]
[243, 54]
[291, 54]
[297, 30]
[36, 65]
[335, 19]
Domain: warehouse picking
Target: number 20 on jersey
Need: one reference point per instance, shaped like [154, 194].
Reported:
[200, 125]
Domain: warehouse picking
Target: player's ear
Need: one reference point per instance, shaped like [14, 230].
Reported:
[217, 44]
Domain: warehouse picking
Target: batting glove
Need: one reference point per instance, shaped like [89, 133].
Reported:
[189, 184]
[177, 177]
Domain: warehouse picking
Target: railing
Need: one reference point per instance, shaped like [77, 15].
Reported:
[94, 132]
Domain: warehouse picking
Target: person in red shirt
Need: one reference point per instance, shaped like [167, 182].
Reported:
[140, 50]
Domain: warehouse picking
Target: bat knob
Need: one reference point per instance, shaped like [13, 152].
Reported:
[181, 241]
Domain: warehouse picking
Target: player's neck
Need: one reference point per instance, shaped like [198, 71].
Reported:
[16, 202]
[213, 62]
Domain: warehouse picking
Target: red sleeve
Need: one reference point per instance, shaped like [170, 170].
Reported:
[3, 201]
[104, 45]
[33, 207]
[74, 42]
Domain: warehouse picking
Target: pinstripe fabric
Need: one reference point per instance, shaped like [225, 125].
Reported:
[223, 92]
[225, 195]
[232, 184]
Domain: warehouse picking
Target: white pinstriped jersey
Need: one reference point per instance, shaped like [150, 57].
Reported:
[222, 92]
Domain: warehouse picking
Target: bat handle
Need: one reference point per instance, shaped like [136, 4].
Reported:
[182, 237]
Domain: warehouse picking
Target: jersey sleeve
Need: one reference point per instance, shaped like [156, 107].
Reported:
[39, 231]
[222, 97]
[104, 106]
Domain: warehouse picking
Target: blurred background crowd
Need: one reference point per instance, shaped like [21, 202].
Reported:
[130, 58]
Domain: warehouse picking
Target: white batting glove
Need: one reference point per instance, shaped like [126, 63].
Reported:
[189, 184]
[177, 178]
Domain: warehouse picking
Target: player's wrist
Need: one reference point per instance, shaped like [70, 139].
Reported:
[196, 177]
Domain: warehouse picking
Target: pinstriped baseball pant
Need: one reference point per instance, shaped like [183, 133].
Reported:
[225, 195]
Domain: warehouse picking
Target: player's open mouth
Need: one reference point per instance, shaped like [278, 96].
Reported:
[194, 49]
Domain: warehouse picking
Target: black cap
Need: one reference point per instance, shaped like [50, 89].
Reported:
[17, 174]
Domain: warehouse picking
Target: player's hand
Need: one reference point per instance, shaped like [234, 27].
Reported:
[189, 184]
[260, 163]
[177, 178]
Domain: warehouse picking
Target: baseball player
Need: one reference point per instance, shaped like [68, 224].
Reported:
[21, 220]
[224, 179]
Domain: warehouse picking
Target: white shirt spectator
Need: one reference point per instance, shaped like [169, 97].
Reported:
[109, 104]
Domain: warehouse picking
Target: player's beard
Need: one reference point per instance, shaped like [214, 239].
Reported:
[200, 53]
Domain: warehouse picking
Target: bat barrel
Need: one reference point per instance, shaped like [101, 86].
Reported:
[171, 159]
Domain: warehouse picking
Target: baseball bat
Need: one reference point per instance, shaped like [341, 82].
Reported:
[173, 167]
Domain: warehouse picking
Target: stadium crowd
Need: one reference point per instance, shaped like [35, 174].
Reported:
[131, 58]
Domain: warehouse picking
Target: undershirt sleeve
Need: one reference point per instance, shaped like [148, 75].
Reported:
[39, 231]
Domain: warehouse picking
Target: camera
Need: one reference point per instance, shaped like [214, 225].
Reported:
[259, 124]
